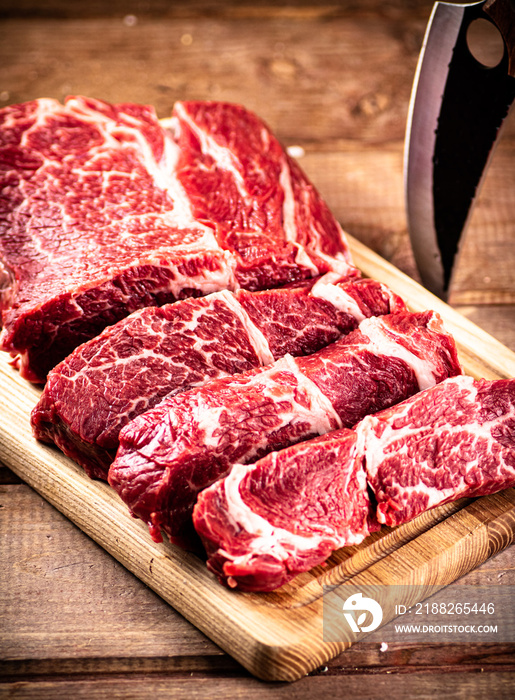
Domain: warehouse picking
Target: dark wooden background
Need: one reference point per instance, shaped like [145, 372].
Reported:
[334, 79]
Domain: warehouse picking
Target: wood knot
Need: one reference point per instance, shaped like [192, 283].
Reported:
[372, 104]
[282, 68]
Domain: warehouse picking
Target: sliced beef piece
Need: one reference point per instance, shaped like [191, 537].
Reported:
[134, 364]
[387, 359]
[156, 352]
[104, 210]
[266, 522]
[170, 453]
[262, 206]
[318, 313]
[453, 441]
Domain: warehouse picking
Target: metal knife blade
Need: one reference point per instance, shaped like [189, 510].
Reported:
[456, 110]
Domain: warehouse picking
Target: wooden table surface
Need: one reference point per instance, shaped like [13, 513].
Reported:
[333, 79]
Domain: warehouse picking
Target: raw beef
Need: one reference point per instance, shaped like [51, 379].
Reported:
[104, 210]
[170, 453]
[156, 352]
[266, 522]
[303, 320]
[387, 359]
[453, 441]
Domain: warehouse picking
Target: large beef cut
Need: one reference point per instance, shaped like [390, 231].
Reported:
[266, 522]
[104, 209]
[159, 351]
[170, 453]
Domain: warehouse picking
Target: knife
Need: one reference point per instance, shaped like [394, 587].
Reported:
[457, 108]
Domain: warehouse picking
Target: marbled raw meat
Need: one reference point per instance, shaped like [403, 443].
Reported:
[160, 351]
[170, 453]
[453, 441]
[268, 521]
[104, 209]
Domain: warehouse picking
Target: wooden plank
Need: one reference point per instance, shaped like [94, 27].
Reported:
[228, 9]
[435, 684]
[287, 69]
[312, 80]
[498, 320]
[276, 636]
[48, 562]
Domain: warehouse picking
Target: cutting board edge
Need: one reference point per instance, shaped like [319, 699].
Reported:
[480, 353]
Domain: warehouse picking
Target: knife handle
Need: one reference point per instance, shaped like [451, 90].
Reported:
[502, 13]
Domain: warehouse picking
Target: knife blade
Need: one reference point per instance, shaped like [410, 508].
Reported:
[456, 111]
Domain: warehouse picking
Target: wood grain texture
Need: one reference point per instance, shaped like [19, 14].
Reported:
[276, 636]
[94, 618]
[252, 61]
[458, 686]
[55, 557]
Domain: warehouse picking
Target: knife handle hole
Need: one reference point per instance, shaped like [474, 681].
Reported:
[485, 43]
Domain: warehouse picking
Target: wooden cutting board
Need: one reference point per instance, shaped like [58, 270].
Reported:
[279, 635]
